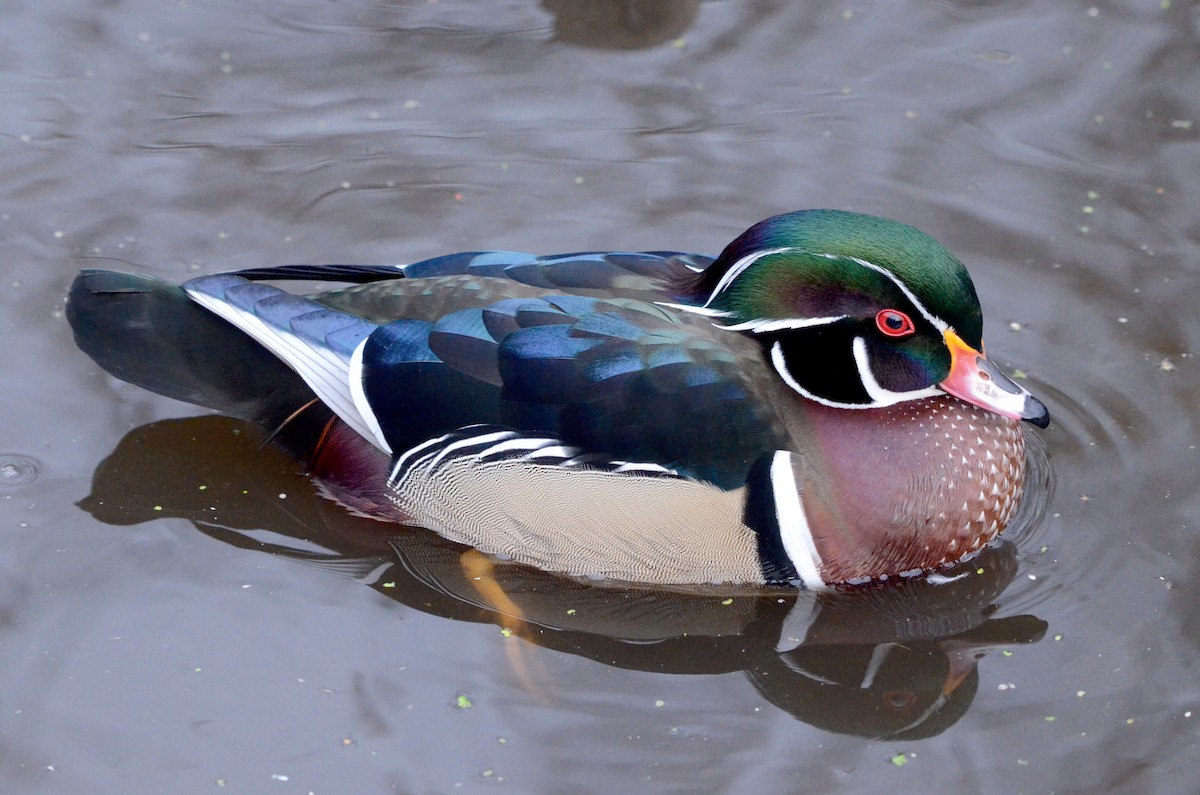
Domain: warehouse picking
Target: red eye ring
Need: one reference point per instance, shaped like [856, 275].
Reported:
[894, 323]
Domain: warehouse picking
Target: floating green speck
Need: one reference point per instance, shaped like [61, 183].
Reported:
[1007, 653]
[506, 632]
[571, 612]
[463, 701]
[391, 584]
[1049, 719]
[727, 601]
[158, 507]
[899, 760]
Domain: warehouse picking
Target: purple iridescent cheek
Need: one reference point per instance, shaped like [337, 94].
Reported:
[908, 368]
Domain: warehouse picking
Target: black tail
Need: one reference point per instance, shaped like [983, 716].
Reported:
[149, 333]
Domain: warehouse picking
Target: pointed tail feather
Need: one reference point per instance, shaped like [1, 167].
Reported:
[149, 333]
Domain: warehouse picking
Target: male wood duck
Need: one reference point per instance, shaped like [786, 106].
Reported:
[812, 408]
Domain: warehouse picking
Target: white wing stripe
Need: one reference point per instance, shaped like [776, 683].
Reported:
[354, 379]
[328, 376]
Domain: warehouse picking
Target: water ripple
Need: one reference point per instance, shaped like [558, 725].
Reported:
[17, 470]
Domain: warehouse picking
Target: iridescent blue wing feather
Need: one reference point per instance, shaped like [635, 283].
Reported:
[619, 377]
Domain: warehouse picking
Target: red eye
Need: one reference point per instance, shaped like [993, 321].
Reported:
[894, 323]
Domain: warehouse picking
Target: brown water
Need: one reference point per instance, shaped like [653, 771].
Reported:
[1054, 146]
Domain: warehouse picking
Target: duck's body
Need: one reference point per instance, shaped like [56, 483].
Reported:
[776, 415]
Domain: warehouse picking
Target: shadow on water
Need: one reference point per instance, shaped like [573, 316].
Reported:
[898, 662]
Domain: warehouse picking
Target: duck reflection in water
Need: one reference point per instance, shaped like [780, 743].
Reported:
[898, 662]
[621, 24]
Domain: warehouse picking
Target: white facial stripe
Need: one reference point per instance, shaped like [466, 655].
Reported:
[937, 322]
[880, 396]
[745, 262]
[781, 368]
[762, 325]
[794, 531]
[695, 310]
[738, 267]
[360, 397]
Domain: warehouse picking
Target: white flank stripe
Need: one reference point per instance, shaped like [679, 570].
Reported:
[354, 378]
[557, 451]
[793, 523]
[403, 460]
[738, 267]
[520, 443]
[879, 395]
[471, 441]
[627, 466]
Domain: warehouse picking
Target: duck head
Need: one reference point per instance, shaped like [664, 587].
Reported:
[856, 311]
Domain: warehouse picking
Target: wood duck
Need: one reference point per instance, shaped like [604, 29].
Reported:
[812, 408]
